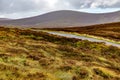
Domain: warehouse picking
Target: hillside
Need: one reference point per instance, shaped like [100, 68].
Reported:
[3, 19]
[31, 55]
[110, 30]
[65, 18]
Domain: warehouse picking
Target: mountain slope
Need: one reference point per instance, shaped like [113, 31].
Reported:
[33, 55]
[2, 19]
[65, 18]
[110, 31]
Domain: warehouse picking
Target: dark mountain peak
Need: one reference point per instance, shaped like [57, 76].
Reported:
[66, 12]
[72, 11]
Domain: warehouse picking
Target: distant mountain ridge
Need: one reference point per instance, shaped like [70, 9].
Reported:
[65, 18]
[2, 19]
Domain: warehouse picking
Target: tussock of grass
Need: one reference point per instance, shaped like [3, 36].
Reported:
[105, 73]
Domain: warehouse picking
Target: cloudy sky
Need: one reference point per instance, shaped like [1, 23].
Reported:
[27, 8]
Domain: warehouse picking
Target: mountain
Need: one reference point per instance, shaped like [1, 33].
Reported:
[2, 19]
[65, 18]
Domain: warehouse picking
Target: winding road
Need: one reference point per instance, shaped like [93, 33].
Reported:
[68, 35]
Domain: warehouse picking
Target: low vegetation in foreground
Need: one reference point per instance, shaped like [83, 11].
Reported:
[30, 55]
[109, 31]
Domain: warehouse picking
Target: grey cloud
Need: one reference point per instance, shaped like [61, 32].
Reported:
[94, 3]
[18, 6]
[14, 6]
[79, 3]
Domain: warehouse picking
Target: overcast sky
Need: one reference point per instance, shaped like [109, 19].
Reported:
[27, 8]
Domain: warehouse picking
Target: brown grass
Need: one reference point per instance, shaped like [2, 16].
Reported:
[30, 55]
[110, 31]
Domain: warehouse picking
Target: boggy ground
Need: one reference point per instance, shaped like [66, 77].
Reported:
[30, 55]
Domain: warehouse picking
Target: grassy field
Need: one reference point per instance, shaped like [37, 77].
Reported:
[110, 31]
[30, 55]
